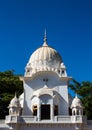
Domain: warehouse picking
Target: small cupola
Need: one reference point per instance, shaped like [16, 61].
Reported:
[76, 106]
[14, 106]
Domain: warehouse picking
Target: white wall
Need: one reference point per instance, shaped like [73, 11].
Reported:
[54, 82]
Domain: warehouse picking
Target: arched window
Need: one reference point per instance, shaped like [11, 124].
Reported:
[35, 110]
[70, 111]
[55, 110]
[77, 112]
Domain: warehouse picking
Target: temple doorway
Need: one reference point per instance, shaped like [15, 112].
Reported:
[45, 112]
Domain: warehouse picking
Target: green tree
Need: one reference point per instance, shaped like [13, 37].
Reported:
[84, 90]
[9, 84]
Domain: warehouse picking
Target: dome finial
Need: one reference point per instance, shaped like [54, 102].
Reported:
[76, 95]
[45, 39]
[15, 95]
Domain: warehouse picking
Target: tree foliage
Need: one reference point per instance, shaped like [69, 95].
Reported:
[84, 90]
[9, 84]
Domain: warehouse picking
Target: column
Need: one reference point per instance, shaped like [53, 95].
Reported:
[52, 110]
[39, 112]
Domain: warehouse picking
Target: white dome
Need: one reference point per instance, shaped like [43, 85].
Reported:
[14, 102]
[44, 58]
[45, 53]
[76, 102]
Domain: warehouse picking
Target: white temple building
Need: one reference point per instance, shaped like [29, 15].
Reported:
[45, 103]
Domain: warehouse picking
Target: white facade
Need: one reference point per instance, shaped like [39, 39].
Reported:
[45, 102]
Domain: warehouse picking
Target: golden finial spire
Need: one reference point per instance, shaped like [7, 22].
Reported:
[45, 39]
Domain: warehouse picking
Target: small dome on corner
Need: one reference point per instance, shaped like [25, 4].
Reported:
[76, 102]
[14, 102]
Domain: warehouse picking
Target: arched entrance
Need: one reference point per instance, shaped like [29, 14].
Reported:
[45, 112]
[45, 109]
[45, 103]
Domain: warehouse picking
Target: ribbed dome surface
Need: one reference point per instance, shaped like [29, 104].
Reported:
[76, 102]
[44, 58]
[45, 53]
[14, 102]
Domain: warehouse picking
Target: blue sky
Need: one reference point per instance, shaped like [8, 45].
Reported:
[69, 31]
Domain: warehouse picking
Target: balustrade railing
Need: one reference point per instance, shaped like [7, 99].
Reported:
[56, 119]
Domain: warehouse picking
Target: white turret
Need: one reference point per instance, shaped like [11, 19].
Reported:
[14, 106]
[76, 106]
